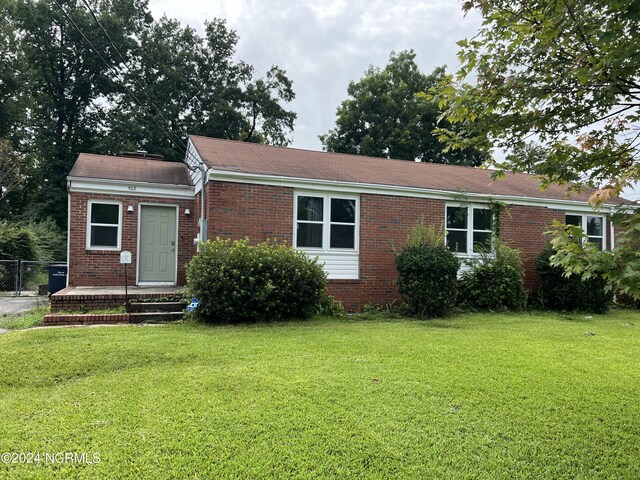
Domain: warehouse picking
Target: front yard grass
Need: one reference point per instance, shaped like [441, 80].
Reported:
[32, 318]
[473, 396]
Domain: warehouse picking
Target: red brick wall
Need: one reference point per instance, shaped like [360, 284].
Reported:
[103, 268]
[384, 223]
[237, 210]
[522, 227]
[260, 212]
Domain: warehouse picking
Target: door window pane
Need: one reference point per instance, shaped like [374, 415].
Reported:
[481, 219]
[104, 236]
[105, 213]
[310, 208]
[309, 235]
[457, 241]
[457, 217]
[343, 211]
[342, 236]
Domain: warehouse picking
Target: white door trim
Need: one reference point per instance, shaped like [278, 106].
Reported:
[175, 275]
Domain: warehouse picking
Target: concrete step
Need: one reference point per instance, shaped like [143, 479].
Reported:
[155, 317]
[157, 307]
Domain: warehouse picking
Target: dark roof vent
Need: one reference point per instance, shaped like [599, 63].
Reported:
[141, 154]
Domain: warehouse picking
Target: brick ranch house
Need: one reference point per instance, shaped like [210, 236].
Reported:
[349, 211]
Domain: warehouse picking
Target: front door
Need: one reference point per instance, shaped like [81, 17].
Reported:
[157, 244]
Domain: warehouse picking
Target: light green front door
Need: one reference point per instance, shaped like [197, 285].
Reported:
[157, 244]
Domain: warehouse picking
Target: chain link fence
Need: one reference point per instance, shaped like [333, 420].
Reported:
[34, 278]
[9, 277]
[24, 278]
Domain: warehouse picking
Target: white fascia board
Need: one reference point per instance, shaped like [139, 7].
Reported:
[399, 191]
[194, 160]
[124, 187]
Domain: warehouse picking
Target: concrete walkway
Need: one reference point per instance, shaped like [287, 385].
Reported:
[133, 290]
[11, 305]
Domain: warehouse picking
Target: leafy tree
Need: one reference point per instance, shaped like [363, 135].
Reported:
[183, 83]
[11, 92]
[15, 166]
[17, 242]
[50, 240]
[122, 82]
[565, 73]
[68, 81]
[11, 168]
[159, 86]
[387, 115]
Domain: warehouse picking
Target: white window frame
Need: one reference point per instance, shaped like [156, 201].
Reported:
[326, 222]
[469, 230]
[583, 224]
[89, 224]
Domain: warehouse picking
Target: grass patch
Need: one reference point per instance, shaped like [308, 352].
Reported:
[474, 396]
[35, 317]
[32, 318]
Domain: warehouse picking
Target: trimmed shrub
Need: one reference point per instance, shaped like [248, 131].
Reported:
[558, 292]
[237, 282]
[427, 273]
[496, 281]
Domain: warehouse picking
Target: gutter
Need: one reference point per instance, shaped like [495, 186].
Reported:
[394, 190]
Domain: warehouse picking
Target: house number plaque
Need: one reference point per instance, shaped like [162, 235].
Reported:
[125, 257]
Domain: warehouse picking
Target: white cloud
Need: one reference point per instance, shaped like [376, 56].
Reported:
[323, 45]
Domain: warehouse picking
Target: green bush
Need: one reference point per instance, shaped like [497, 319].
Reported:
[50, 240]
[496, 281]
[329, 306]
[17, 242]
[237, 282]
[427, 273]
[558, 292]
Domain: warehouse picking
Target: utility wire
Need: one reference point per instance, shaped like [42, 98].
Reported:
[111, 67]
[135, 77]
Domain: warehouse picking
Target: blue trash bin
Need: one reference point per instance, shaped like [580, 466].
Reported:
[57, 277]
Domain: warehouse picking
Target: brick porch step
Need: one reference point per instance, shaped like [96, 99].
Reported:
[57, 319]
[138, 307]
[155, 317]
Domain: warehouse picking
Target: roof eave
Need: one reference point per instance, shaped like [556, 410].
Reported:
[381, 189]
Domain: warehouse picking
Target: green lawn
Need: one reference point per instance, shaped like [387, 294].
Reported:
[29, 319]
[477, 396]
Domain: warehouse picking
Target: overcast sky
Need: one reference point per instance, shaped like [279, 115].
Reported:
[324, 44]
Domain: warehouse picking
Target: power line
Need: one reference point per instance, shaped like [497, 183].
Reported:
[111, 67]
[133, 74]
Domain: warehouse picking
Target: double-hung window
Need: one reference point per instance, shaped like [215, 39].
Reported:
[310, 222]
[326, 222]
[104, 222]
[469, 229]
[592, 225]
[326, 226]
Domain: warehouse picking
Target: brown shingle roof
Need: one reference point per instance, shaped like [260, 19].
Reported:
[292, 162]
[130, 169]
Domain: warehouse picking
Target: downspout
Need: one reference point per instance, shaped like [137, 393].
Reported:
[612, 233]
[203, 210]
[68, 229]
